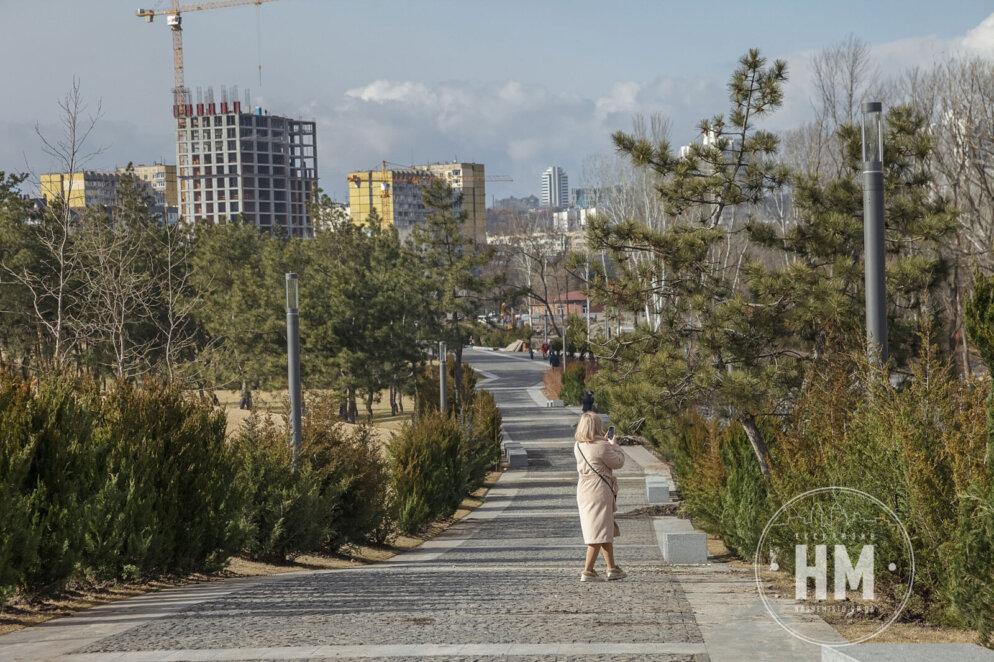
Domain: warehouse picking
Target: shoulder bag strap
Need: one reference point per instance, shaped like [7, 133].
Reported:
[599, 475]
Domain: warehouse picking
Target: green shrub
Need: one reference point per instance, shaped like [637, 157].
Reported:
[428, 387]
[969, 580]
[574, 383]
[48, 475]
[482, 448]
[354, 475]
[285, 511]
[429, 471]
[169, 501]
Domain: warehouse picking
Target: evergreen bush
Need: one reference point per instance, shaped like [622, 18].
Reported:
[48, 475]
[169, 501]
[285, 511]
[429, 471]
[354, 473]
[574, 383]
[482, 447]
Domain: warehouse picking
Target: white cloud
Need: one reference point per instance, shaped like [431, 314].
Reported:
[980, 40]
[514, 128]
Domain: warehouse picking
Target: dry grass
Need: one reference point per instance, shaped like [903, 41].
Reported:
[274, 403]
[20, 613]
[552, 382]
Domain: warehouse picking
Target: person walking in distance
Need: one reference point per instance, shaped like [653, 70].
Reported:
[597, 456]
[588, 401]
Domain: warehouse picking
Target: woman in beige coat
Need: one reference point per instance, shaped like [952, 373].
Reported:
[596, 491]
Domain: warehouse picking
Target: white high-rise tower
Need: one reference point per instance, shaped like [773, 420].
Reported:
[555, 187]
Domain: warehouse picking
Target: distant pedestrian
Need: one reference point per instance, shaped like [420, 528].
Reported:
[471, 341]
[597, 457]
[588, 401]
[545, 350]
[554, 359]
[531, 352]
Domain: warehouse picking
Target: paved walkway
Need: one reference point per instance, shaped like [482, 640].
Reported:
[501, 582]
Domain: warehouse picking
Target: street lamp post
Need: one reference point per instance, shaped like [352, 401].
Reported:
[293, 358]
[442, 376]
[873, 229]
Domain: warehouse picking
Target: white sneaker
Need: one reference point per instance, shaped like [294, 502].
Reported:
[616, 573]
[591, 576]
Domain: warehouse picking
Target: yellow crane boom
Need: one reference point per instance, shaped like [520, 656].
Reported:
[175, 22]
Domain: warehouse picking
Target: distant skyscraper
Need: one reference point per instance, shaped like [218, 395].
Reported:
[555, 187]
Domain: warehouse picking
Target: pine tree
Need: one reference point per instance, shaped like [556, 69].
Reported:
[453, 270]
[713, 345]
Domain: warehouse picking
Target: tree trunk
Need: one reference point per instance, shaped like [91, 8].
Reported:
[370, 396]
[758, 445]
[353, 408]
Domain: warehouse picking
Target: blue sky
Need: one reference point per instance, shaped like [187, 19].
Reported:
[518, 85]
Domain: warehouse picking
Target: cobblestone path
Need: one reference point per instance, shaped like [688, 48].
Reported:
[502, 582]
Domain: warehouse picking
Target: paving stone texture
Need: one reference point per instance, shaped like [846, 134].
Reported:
[502, 582]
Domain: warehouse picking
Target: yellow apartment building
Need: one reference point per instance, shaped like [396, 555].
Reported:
[93, 187]
[83, 189]
[395, 194]
[160, 178]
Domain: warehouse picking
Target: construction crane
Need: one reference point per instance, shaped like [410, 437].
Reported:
[174, 20]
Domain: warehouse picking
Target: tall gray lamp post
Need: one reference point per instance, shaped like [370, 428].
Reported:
[293, 358]
[873, 229]
[443, 356]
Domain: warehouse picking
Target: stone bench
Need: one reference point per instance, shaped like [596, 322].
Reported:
[907, 653]
[657, 489]
[679, 542]
[517, 456]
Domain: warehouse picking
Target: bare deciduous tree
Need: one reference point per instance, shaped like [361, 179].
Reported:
[52, 280]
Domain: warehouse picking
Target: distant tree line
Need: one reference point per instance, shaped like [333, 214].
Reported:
[115, 294]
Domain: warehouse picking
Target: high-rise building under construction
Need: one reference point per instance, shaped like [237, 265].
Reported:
[253, 165]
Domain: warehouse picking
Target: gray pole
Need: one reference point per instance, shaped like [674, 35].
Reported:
[564, 334]
[873, 230]
[587, 276]
[442, 377]
[293, 359]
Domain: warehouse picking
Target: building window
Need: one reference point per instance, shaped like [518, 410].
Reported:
[233, 207]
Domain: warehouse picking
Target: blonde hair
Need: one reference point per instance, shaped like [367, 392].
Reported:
[589, 428]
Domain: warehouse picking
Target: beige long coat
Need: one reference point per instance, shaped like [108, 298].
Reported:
[593, 497]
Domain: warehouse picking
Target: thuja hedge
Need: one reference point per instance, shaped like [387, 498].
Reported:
[141, 481]
[133, 482]
[918, 447]
[443, 457]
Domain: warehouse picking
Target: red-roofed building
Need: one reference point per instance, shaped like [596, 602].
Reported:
[575, 303]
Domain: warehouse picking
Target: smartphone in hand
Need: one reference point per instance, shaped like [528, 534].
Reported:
[610, 433]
